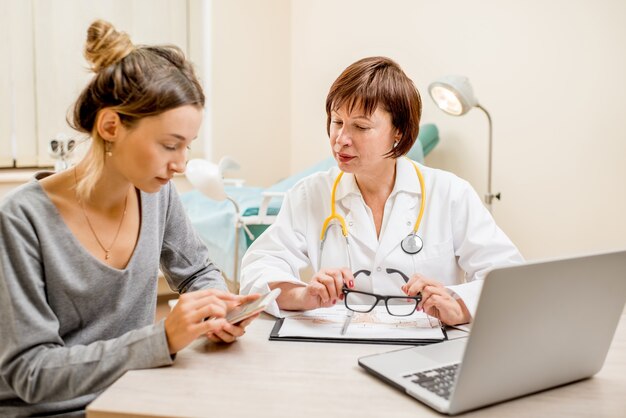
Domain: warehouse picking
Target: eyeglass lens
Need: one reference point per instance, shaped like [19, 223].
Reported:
[360, 302]
[363, 302]
[401, 306]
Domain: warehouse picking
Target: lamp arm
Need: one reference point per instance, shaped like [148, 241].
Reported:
[490, 195]
[234, 202]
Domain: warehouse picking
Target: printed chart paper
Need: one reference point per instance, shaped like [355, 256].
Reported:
[377, 324]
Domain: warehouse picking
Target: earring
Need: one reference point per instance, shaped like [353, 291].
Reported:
[107, 149]
[395, 144]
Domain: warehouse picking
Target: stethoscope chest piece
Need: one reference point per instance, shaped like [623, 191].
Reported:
[412, 244]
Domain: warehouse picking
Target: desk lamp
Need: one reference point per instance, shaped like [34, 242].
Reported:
[209, 180]
[454, 95]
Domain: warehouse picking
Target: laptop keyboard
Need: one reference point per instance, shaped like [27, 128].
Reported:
[439, 381]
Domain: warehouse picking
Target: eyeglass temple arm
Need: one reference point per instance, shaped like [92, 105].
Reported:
[356, 273]
[404, 276]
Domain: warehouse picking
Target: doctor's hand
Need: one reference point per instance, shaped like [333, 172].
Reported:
[224, 331]
[323, 290]
[195, 314]
[436, 301]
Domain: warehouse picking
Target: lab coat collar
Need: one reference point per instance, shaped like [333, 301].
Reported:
[406, 194]
[401, 219]
[347, 187]
[406, 181]
[406, 177]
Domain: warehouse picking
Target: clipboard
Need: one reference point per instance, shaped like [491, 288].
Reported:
[274, 336]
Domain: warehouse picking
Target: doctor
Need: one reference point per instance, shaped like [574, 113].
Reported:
[379, 222]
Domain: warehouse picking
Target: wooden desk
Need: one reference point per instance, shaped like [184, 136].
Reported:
[255, 377]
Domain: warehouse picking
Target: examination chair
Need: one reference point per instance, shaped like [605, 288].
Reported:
[228, 234]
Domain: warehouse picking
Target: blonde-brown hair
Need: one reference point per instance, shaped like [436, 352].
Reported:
[379, 81]
[135, 82]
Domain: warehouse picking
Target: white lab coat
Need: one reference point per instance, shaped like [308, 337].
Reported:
[461, 240]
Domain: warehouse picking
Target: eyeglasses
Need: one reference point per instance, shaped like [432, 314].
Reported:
[364, 302]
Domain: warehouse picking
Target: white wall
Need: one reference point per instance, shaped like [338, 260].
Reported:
[551, 74]
[250, 86]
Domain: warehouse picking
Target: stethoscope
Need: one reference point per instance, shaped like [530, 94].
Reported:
[411, 244]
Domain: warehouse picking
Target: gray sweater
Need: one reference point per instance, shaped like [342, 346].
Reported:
[71, 325]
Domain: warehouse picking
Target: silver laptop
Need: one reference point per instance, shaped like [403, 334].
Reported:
[537, 326]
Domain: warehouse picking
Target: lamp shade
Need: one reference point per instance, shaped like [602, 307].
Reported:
[453, 94]
[227, 164]
[207, 178]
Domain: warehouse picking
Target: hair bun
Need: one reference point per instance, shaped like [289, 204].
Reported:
[105, 45]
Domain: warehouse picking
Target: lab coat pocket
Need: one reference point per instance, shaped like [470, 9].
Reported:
[438, 262]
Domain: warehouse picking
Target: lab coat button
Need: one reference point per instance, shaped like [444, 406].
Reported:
[350, 223]
[378, 269]
[408, 223]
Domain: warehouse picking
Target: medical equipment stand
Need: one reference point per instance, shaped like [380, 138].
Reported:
[239, 223]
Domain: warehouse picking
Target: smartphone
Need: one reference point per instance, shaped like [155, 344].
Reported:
[248, 309]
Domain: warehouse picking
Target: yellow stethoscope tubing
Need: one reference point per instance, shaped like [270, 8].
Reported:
[344, 230]
[422, 205]
[333, 213]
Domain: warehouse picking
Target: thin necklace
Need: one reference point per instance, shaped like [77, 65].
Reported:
[107, 251]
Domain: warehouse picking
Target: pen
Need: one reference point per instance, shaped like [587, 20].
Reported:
[346, 322]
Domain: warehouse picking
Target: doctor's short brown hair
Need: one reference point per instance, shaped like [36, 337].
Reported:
[379, 82]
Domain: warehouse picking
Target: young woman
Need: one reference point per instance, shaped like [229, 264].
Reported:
[80, 250]
[397, 227]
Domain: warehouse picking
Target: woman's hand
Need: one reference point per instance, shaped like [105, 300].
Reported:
[322, 291]
[195, 314]
[436, 301]
[223, 331]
